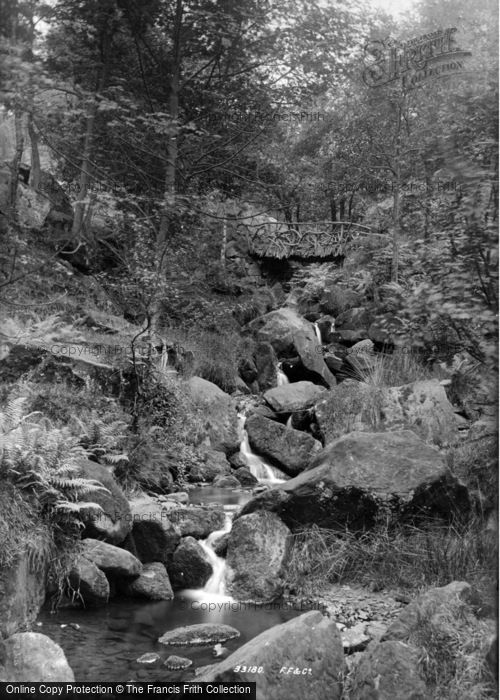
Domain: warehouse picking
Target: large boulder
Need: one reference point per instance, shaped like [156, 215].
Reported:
[154, 536]
[294, 397]
[190, 567]
[355, 477]
[219, 414]
[266, 362]
[311, 355]
[197, 521]
[257, 550]
[288, 449]
[389, 671]
[278, 328]
[302, 658]
[89, 582]
[152, 584]
[421, 406]
[29, 657]
[22, 593]
[115, 562]
[114, 521]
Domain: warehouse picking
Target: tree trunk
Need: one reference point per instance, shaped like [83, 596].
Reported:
[35, 174]
[85, 173]
[172, 143]
[224, 245]
[16, 163]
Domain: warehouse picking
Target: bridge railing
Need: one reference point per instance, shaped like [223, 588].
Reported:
[305, 239]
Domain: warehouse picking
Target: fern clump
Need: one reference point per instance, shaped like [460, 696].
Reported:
[43, 462]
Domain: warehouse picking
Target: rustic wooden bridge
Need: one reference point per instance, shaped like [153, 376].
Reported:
[268, 238]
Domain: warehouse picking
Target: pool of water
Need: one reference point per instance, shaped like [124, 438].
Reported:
[224, 497]
[110, 639]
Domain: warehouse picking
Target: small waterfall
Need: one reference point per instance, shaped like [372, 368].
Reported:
[289, 422]
[216, 584]
[281, 377]
[317, 330]
[257, 466]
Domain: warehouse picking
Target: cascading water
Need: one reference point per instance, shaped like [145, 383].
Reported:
[257, 466]
[281, 377]
[289, 422]
[215, 586]
[317, 330]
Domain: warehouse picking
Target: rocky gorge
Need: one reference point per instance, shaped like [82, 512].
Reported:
[329, 450]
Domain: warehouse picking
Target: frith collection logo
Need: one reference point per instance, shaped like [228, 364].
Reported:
[415, 61]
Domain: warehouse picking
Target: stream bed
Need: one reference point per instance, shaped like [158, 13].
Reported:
[111, 638]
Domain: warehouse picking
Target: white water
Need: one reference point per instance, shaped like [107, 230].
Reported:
[258, 467]
[281, 377]
[289, 422]
[215, 588]
[317, 330]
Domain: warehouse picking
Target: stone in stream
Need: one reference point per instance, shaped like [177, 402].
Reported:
[289, 449]
[154, 536]
[149, 659]
[32, 657]
[115, 562]
[202, 634]
[197, 521]
[190, 567]
[177, 663]
[294, 397]
[215, 464]
[227, 481]
[153, 583]
[354, 477]
[257, 550]
[302, 658]
[245, 477]
[89, 581]
[266, 362]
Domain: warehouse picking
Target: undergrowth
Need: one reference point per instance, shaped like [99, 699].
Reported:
[403, 558]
